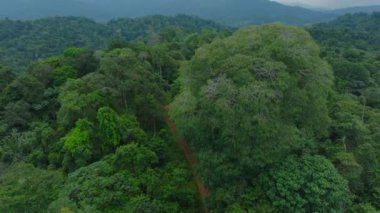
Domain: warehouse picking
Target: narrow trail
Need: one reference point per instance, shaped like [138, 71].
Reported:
[190, 157]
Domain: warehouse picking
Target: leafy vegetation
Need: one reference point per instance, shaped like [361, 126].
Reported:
[263, 90]
[307, 184]
[350, 44]
[93, 123]
[22, 42]
[281, 119]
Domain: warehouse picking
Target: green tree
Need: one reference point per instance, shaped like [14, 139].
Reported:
[78, 141]
[308, 184]
[6, 76]
[81, 98]
[134, 157]
[26, 188]
[249, 100]
[62, 74]
[108, 126]
[135, 86]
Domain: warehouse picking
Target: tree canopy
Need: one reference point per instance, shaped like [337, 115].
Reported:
[270, 118]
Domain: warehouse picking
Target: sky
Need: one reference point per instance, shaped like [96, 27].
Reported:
[331, 3]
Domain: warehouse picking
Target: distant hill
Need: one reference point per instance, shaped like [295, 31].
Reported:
[33, 9]
[231, 12]
[246, 12]
[365, 9]
[359, 31]
[24, 41]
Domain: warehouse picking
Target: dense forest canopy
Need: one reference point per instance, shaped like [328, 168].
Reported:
[263, 93]
[278, 118]
[22, 42]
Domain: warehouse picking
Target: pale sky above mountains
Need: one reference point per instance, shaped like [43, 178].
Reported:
[331, 3]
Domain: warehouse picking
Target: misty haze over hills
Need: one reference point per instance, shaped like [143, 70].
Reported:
[230, 12]
[330, 4]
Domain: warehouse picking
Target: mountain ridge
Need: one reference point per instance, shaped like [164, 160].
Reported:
[365, 9]
[234, 13]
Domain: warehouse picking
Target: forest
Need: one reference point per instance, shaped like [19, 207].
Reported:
[235, 13]
[23, 42]
[279, 118]
[230, 12]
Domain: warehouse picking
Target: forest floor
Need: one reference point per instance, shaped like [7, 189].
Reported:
[190, 157]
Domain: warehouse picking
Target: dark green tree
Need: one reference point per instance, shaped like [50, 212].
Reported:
[308, 184]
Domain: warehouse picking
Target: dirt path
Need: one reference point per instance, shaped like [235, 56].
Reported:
[203, 192]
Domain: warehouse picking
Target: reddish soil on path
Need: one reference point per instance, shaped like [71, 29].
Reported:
[190, 157]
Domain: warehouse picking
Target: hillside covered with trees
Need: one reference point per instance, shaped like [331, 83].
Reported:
[230, 12]
[23, 42]
[235, 13]
[279, 118]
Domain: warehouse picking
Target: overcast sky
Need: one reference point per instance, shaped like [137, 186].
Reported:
[332, 3]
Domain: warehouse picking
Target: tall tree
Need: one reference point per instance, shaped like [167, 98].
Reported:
[248, 101]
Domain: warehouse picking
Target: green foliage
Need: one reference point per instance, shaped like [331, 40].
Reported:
[350, 169]
[308, 184]
[245, 102]
[350, 44]
[78, 142]
[127, 181]
[108, 126]
[73, 52]
[62, 74]
[249, 100]
[364, 208]
[24, 188]
[81, 98]
[27, 88]
[130, 77]
[6, 77]
[134, 158]
[78, 139]
[348, 122]
[352, 30]
[22, 42]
